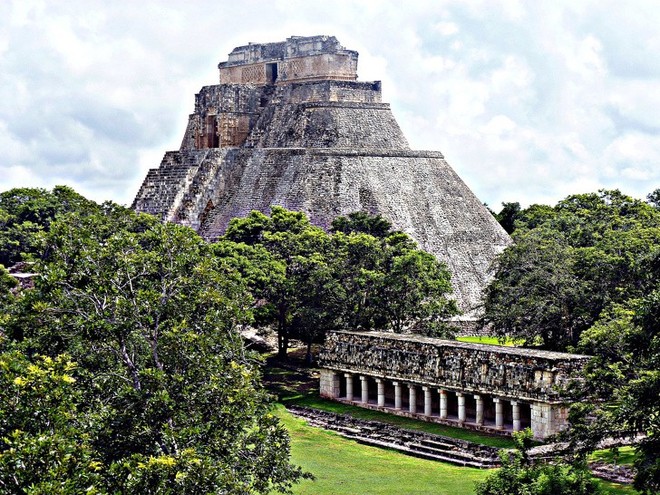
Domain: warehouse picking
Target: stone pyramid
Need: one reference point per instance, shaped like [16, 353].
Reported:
[290, 125]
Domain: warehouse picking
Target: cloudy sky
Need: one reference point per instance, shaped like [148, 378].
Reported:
[529, 100]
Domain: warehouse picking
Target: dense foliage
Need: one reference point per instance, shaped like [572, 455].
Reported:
[122, 370]
[126, 346]
[519, 476]
[585, 276]
[25, 213]
[361, 276]
[569, 263]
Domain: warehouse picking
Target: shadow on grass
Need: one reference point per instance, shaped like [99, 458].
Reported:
[296, 385]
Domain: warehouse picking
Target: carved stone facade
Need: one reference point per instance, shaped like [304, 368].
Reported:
[481, 386]
[289, 125]
[297, 59]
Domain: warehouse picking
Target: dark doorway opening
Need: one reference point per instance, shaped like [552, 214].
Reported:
[271, 73]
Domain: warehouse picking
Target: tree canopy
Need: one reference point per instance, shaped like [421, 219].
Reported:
[584, 276]
[568, 264]
[25, 213]
[361, 276]
[127, 348]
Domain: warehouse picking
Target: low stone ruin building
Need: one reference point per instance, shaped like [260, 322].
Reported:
[484, 387]
[289, 124]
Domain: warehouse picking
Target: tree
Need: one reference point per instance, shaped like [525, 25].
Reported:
[348, 280]
[519, 476]
[508, 215]
[172, 400]
[568, 265]
[622, 385]
[44, 447]
[654, 198]
[26, 213]
[413, 288]
[290, 240]
[583, 275]
[535, 295]
[360, 221]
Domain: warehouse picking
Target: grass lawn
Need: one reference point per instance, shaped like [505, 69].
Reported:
[625, 455]
[401, 421]
[345, 467]
[486, 340]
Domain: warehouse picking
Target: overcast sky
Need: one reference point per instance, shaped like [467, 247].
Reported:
[529, 100]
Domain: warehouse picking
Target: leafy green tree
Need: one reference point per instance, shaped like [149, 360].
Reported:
[360, 221]
[622, 385]
[536, 296]
[508, 215]
[348, 280]
[584, 275]
[44, 448]
[172, 399]
[26, 213]
[519, 476]
[654, 198]
[413, 288]
[291, 241]
[568, 265]
[7, 286]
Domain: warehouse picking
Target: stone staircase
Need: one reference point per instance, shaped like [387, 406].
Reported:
[418, 444]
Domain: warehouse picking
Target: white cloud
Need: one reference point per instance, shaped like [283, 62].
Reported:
[529, 101]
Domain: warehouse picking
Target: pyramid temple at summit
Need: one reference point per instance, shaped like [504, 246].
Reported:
[289, 124]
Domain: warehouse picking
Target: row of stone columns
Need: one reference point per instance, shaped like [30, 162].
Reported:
[412, 401]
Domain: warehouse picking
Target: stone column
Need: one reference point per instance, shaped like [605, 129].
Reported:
[329, 384]
[412, 399]
[365, 389]
[349, 386]
[397, 396]
[381, 392]
[443, 403]
[461, 407]
[479, 419]
[427, 401]
[499, 413]
[516, 415]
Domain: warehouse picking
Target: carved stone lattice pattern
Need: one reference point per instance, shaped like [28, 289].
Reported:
[252, 74]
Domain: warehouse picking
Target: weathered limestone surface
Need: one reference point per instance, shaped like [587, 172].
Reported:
[507, 372]
[299, 58]
[482, 387]
[312, 138]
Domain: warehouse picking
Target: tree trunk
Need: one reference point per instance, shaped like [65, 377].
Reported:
[282, 335]
[308, 356]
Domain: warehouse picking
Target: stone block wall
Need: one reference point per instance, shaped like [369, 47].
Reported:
[297, 59]
[224, 115]
[525, 374]
[329, 384]
[548, 419]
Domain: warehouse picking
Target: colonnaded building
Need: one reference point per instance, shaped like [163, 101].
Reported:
[289, 124]
[484, 387]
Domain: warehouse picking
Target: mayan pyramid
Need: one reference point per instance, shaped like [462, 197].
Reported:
[290, 125]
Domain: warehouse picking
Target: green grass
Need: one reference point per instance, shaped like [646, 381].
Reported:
[486, 340]
[400, 421]
[625, 455]
[293, 387]
[345, 467]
